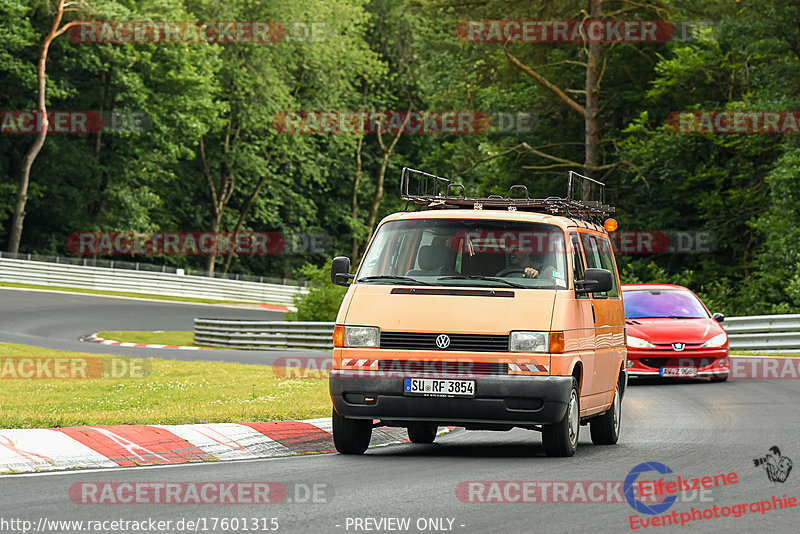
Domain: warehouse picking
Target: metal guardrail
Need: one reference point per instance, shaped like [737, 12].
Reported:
[144, 266]
[763, 332]
[144, 282]
[758, 333]
[260, 335]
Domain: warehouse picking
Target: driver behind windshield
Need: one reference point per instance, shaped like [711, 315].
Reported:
[529, 265]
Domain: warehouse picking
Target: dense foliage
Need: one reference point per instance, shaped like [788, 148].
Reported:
[212, 108]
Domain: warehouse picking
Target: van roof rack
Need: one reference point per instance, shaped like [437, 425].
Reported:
[585, 198]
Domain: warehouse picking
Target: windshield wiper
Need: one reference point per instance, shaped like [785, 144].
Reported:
[489, 278]
[396, 278]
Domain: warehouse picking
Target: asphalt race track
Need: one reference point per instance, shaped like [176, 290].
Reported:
[57, 321]
[696, 429]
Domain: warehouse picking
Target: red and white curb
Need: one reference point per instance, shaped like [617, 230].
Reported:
[93, 338]
[51, 449]
[277, 307]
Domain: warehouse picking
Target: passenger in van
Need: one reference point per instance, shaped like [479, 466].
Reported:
[530, 265]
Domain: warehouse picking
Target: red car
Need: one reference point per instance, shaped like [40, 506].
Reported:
[671, 333]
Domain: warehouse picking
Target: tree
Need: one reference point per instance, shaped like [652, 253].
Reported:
[27, 162]
[244, 160]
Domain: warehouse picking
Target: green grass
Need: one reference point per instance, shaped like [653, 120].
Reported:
[173, 337]
[127, 294]
[174, 392]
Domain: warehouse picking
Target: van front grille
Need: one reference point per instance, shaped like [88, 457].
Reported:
[463, 368]
[458, 342]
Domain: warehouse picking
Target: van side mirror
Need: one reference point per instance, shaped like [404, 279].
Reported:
[340, 271]
[718, 317]
[594, 281]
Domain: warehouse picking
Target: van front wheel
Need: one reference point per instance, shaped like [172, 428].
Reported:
[561, 439]
[351, 436]
[422, 433]
[605, 429]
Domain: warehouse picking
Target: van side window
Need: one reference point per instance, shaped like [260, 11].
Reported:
[598, 256]
[607, 260]
[577, 261]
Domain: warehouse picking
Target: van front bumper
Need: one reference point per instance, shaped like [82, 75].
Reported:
[514, 400]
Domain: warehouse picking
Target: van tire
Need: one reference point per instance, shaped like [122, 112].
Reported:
[605, 428]
[422, 433]
[351, 436]
[561, 439]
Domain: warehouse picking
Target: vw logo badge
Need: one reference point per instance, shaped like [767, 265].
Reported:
[679, 346]
[443, 341]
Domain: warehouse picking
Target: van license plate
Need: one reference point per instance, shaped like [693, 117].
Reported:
[433, 387]
[678, 371]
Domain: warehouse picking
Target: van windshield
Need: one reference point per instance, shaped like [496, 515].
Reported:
[458, 252]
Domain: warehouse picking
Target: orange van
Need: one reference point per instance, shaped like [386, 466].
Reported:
[483, 313]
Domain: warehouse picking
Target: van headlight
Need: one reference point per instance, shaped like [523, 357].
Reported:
[523, 341]
[716, 341]
[639, 343]
[362, 336]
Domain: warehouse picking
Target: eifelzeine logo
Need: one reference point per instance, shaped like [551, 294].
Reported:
[630, 486]
[776, 465]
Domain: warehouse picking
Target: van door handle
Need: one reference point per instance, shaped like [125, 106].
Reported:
[594, 318]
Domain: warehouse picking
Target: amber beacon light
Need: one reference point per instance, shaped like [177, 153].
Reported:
[610, 225]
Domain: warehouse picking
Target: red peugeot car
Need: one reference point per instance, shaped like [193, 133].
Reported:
[671, 333]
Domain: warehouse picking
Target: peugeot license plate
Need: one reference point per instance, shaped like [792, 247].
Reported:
[678, 371]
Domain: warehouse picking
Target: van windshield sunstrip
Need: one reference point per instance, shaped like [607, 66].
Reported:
[455, 252]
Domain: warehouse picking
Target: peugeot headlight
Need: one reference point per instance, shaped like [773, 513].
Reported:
[361, 336]
[529, 341]
[716, 341]
[639, 343]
